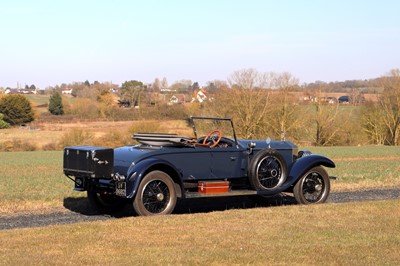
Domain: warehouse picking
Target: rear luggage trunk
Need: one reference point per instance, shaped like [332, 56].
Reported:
[88, 161]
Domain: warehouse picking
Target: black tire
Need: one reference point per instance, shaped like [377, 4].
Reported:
[268, 170]
[104, 203]
[156, 195]
[313, 187]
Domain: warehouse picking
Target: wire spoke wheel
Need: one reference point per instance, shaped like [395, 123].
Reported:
[313, 187]
[156, 195]
[269, 172]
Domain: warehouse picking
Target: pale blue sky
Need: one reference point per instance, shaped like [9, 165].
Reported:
[49, 42]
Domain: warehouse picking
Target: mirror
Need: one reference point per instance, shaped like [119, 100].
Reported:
[251, 145]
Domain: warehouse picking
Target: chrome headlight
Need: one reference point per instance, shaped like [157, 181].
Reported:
[303, 153]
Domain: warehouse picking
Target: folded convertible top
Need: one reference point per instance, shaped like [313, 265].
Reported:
[162, 139]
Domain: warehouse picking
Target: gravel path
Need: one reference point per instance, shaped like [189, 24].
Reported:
[80, 212]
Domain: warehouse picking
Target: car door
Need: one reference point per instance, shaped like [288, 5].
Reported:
[229, 162]
[193, 163]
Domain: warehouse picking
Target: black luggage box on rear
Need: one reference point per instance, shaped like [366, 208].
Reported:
[90, 161]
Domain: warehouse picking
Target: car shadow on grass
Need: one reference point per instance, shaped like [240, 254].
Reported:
[204, 205]
[82, 206]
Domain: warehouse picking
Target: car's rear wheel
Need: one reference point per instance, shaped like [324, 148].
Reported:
[156, 195]
[104, 202]
[313, 187]
[268, 170]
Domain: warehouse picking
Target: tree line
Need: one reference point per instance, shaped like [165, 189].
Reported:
[261, 104]
[258, 112]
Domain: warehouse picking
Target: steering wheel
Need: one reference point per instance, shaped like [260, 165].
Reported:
[210, 138]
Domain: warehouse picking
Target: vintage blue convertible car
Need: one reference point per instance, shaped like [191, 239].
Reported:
[214, 163]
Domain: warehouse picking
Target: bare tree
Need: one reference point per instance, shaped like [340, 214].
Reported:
[389, 102]
[164, 84]
[156, 85]
[321, 121]
[215, 85]
[285, 81]
[246, 101]
[324, 124]
[381, 121]
[285, 116]
[373, 124]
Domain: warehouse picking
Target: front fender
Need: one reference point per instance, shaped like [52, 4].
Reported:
[299, 168]
[138, 171]
[302, 165]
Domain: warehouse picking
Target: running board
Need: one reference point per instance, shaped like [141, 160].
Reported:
[191, 195]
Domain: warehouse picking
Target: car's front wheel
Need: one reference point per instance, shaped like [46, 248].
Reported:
[156, 195]
[313, 187]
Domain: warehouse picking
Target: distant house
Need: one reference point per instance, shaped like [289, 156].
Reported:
[28, 91]
[177, 99]
[66, 91]
[167, 90]
[12, 91]
[200, 95]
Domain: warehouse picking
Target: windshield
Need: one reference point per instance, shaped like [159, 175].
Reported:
[204, 125]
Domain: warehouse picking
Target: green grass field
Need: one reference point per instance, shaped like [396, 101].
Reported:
[359, 233]
[364, 166]
[37, 99]
[34, 180]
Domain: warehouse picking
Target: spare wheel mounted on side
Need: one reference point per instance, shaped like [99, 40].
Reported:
[267, 170]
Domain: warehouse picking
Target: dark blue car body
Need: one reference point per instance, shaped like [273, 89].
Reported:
[166, 167]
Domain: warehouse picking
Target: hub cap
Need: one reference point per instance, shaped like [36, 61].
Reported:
[156, 196]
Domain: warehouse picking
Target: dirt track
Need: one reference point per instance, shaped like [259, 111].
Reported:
[77, 210]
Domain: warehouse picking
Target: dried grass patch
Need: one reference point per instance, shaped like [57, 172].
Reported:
[341, 234]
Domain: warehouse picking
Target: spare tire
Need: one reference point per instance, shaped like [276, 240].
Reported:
[267, 170]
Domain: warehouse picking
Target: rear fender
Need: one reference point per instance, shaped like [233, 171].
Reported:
[138, 171]
[299, 168]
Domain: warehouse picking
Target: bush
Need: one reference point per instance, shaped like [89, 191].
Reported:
[51, 147]
[84, 109]
[113, 139]
[3, 124]
[76, 137]
[145, 127]
[16, 109]
[165, 112]
[55, 104]
[17, 145]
